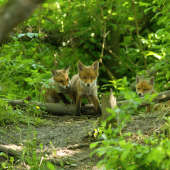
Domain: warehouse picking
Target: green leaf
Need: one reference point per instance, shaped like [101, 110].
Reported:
[93, 145]
[3, 154]
[154, 54]
[41, 146]
[50, 166]
[109, 110]
[125, 154]
[147, 9]
[162, 19]
[161, 31]
[11, 159]
[127, 39]
[21, 35]
[157, 154]
[31, 35]
[144, 4]
[73, 165]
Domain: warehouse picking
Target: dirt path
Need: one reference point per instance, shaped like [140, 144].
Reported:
[62, 138]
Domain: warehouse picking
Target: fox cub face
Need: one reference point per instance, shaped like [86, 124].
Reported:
[144, 86]
[61, 77]
[88, 74]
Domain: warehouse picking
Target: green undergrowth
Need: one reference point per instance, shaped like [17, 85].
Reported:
[119, 151]
[32, 154]
[30, 114]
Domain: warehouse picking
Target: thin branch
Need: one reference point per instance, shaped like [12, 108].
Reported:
[49, 19]
[23, 48]
[111, 76]
[103, 45]
[131, 61]
[39, 20]
[121, 61]
[35, 51]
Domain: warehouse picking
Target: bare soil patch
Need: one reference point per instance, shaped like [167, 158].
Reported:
[62, 138]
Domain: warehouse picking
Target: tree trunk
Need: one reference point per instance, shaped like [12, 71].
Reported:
[88, 109]
[112, 42]
[13, 13]
[108, 102]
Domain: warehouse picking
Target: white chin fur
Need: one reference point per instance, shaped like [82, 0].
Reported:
[90, 84]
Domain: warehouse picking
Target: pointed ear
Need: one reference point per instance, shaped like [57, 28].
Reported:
[54, 72]
[137, 79]
[80, 66]
[67, 69]
[151, 80]
[95, 65]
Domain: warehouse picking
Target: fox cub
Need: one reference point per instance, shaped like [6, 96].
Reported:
[84, 85]
[61, 82]
[143, 87]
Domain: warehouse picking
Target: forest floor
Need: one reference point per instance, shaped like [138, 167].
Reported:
[62, 139]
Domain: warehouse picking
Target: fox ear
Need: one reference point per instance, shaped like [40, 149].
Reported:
[137, 79]
[95, 65]
[67, 69]
[80, 66]
[54, 73]
[151, 80]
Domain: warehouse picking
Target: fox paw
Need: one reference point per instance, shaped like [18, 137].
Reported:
[78, 113]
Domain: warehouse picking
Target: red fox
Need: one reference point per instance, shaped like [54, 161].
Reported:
[84, 85]
[61, 82]
[143, 87]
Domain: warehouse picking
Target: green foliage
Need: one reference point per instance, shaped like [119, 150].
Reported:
[157, 44]
[6, 164]
[11, 116]
[60, 33]
[120, 152]
[16, 73]
[8, 115]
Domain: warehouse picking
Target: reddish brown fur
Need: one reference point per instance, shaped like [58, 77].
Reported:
[88, 72]
[61, 77]
[143, 84]
[84, 85]
[61, 82]
[143, 87]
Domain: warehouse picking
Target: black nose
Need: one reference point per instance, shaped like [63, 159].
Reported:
[88, 85]
[66, 87]
[139, 95]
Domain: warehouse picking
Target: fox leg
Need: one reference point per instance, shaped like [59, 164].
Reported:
[49, 99]
[96, 104]
[78, 105]
[72, 97]
[61, 97]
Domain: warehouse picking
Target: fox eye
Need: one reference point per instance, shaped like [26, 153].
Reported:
[145, 89]
[138, 88]
[67, 79]
[61, 81]
[84, 77]
[92, 77]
